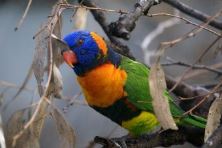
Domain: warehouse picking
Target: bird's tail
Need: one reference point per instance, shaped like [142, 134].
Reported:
[193, 120]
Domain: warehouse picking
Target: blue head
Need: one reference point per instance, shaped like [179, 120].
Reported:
[87, 50]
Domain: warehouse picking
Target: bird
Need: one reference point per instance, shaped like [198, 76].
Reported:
[117, 86]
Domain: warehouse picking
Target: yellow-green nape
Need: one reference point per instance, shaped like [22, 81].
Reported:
[143, 123]
[100, 42]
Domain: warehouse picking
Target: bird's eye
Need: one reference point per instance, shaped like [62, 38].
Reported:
[80, 42]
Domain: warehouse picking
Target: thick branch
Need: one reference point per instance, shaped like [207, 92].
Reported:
[127, 22]
[165, 138]
[194, 13]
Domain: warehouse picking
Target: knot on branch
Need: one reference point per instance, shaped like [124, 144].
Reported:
[126, 23]
[122, 27]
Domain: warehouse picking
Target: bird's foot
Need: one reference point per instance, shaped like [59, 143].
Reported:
[111, 142]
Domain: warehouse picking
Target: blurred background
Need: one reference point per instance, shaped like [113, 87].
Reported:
[17, 49]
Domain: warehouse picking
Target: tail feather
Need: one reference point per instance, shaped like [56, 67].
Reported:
[193, 120]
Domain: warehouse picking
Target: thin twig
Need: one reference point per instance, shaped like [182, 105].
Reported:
[156, 32]
[201, 101]
[39, 32]
[165, 45]
[25, 82]
[24, 15]
[198, 96]
[193, 66]
[198, 59]
[73, 101]
[195, 73]
[70, 6]
[194, 13]
[12, 85]
[185, 20]
[75, 11]
[20, 89]
[192, 33]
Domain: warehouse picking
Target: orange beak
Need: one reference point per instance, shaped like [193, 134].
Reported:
[69, 57]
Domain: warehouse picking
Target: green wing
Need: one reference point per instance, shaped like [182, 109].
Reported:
[137, 89]
[137, 86]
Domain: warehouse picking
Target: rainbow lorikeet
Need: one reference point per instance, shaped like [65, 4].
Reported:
[117, 86]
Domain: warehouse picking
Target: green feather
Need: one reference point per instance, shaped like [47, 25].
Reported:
[137, 89]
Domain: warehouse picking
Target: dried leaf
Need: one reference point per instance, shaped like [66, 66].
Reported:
[56, 46]
[14, 125]
[40, 56]
[160, 103]
[65, 130]
[81, 18]
[56, 83]
[25, 82]
[38, 123]
[214, 116]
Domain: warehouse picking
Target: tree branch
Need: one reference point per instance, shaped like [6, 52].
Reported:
[193, 66]
[165, 138]
[194, 13]
[126, 23]
[24, 15]
[185, 20]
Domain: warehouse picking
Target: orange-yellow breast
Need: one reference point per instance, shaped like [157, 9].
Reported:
[103, 85]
